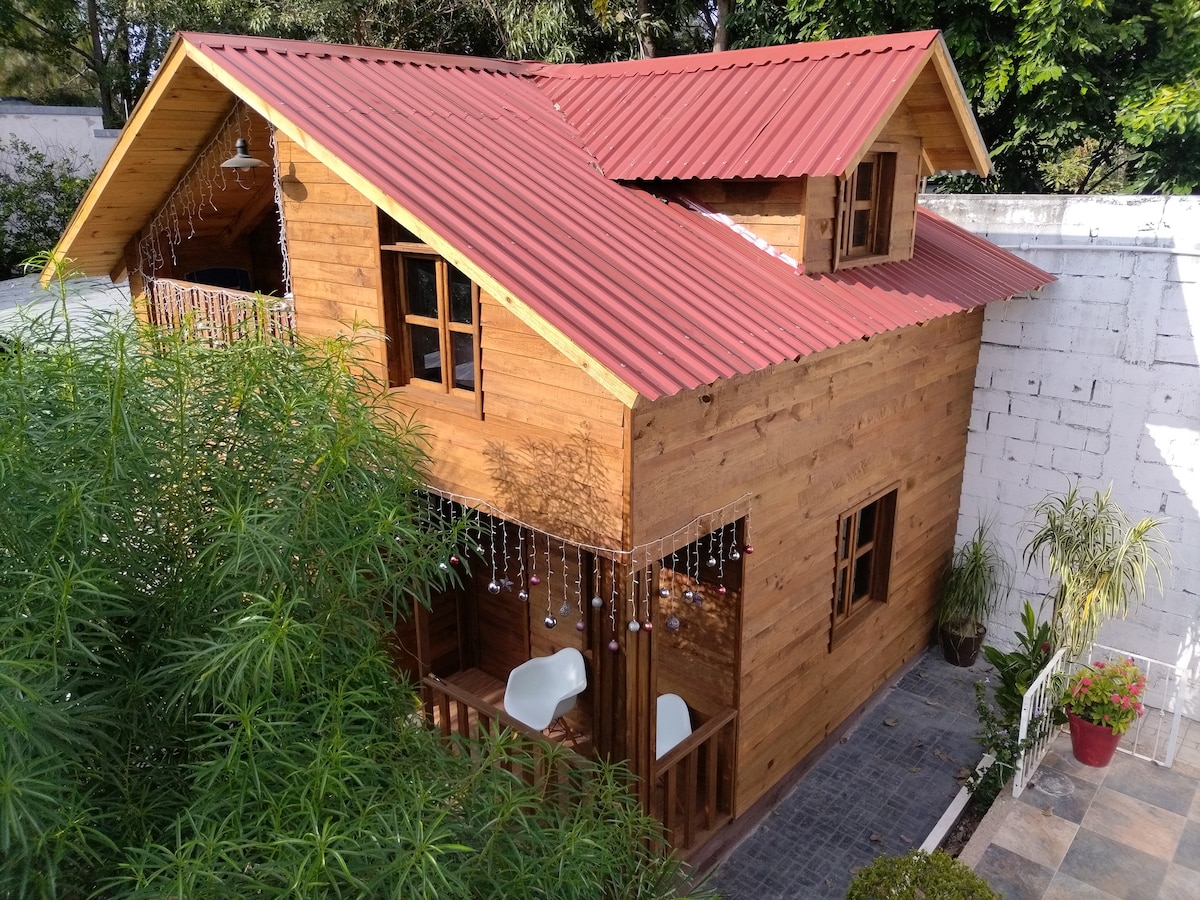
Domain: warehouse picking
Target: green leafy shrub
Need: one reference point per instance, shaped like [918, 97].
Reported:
[38, 196]
[1016, 669]
[200, 553]
[918, 876]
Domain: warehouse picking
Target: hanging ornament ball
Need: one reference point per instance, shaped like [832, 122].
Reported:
[454, 560]
[720, 589]
[579, 626]
[523, 596]
[689, 595]
[597, 603]
[664, 593]
[635, 625]
[712, 562]
[493, 586]
[550, 621]
[734, 555]
[614, 645]
[443, 567]
[533, 579]
[749, 549]
[565, 609]
[672, 623]
[648, 626]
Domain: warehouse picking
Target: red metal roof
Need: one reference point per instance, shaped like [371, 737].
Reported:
[661, 296]
[768, 112]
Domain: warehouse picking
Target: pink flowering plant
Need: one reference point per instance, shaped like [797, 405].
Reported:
[1107, 693]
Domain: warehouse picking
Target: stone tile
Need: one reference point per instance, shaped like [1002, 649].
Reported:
[1064, 887]
[1187, 853]
[1123, 871]
[1035, 835]
[1151, 783]
[1194, 809]
[1181, 883]
[1134, 822]
[1013, 876]
[1061, 759]
[1066, 794]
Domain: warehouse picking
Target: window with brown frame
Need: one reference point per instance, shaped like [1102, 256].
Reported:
[865, 208]
[863, 561]
[431, 313]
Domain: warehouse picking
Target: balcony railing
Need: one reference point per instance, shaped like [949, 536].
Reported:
[692, 791]
[465, 720]
[692, 783]
[216, 315]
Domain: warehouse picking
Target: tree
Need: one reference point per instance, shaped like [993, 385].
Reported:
[1069, 96]
[38, 195]
[200, 553]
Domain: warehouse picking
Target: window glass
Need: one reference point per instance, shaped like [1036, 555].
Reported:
[464, 360]
[422, 286]
[426, 352]
[462, 306]
[864, 187]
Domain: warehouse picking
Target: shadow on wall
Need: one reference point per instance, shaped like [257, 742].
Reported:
[1095, 379]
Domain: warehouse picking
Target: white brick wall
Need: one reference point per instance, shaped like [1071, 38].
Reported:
[1096, 378]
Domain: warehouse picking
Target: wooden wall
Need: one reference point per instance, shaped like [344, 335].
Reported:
[901, 135]
[773, 210]
[812, 440]
[550, 449]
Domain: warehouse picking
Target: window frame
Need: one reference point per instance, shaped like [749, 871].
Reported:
[850, 550]
[877, 206]
[400, 319]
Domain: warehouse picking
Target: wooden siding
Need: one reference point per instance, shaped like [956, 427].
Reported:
[773, 210]
[550, 449]
[812, 440]
[902, 135]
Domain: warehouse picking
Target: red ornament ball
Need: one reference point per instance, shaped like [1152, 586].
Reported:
[533, 579]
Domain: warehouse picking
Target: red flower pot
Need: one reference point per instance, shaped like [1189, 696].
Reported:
[1093, 745]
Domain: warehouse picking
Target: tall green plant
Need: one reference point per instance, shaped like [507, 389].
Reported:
[200, 552]
[975, 581]
[1098, 558]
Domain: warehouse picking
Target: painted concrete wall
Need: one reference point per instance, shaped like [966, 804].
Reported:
[1096, 378]
[59, 131]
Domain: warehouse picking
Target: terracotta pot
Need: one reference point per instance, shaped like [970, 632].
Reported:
[961, 649]
[1093, 745]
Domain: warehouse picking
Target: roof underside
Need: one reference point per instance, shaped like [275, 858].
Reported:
[480, 160]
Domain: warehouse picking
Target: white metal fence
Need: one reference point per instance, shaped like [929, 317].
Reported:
[1041, 698]
[1153, 737]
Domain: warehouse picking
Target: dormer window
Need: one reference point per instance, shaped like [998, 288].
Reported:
[432, 316]
[865, 209]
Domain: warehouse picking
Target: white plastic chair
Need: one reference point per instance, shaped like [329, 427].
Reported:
[673, 723]
[544, 689]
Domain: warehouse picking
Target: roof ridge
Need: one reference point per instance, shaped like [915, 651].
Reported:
[369, 54]
[740, 58]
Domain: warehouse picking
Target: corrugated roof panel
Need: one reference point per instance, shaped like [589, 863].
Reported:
[762, 113]
[661, 296]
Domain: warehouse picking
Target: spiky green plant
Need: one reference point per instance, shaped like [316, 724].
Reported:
[200, 552]
[1098, 558]
[975, 581]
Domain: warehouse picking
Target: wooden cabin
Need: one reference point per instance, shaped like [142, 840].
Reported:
[677, 329]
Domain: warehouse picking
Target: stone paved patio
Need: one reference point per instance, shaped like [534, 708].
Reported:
[880, 791]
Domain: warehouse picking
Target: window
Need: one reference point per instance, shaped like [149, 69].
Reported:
[865, 209]
[432, 316]
[863, 561]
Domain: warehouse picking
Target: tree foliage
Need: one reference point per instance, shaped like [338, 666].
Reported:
[200, 551]
[1110, 83]
[38, 195]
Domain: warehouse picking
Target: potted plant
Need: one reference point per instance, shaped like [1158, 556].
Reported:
[1102, 702]
[1100, 559]
[918, 876]
[974, 584]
